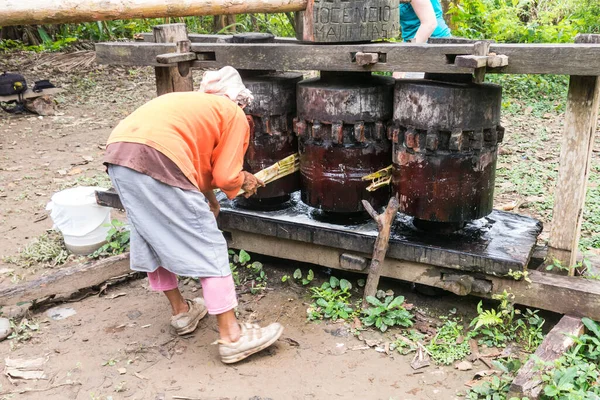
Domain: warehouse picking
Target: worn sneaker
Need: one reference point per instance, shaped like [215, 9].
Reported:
[187, 322]
[252, 339]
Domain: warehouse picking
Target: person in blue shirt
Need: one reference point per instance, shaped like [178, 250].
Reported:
[422, 19]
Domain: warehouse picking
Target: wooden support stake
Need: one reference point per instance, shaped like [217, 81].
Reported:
[176, 78]
[481, 48]
[528, 381]
[384, 225]
[581, 118]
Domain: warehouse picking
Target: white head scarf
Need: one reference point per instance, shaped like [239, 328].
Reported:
[226, 82]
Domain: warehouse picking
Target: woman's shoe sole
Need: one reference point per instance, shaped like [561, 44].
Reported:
[241, 356]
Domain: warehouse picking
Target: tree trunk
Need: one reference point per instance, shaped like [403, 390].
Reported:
[221, 22]
[31, 12]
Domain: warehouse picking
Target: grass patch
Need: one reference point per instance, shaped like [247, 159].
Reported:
[47, 250]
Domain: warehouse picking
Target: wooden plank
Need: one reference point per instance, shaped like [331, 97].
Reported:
[569, 59]
[195, 38]
[562, 294]
[30, 94]
[66, 280]
[32, 12]
[550, 58]
[505, 244]
[528, 382]
[179, 77]
[281, 56]
[132, 53]
[573, 59]
[471, 61]
[581, 119]
[174, 58]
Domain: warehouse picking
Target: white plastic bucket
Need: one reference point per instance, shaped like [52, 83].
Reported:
[83, 223]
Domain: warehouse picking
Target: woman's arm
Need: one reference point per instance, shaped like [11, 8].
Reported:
[426, 14]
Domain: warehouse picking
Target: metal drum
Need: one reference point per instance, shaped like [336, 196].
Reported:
[348, 21]
[445, 138]
[271, 135]
[341, 125]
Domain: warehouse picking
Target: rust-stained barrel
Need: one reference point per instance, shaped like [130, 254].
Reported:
[445, 138]
[341, 126]
[271, 134]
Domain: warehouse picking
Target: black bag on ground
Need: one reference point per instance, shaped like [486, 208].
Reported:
[11, 84]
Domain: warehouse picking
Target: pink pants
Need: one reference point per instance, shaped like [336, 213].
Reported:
[219, 292]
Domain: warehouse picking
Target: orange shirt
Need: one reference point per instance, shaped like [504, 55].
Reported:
[205, 135]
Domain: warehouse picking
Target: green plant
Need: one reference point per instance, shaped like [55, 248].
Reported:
[298, 277]
[117, 240]
[390, 312]
[247, 273]
[450, 343]
[23, 331]
[498, 327]
[47, 250]
[497, 387]
[575, 375]
[403, 346]
[330, 303]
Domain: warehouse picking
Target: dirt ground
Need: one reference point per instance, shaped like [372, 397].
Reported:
[42, 155]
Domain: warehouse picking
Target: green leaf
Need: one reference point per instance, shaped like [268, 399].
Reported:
[361, 283]
[374, 301]
[298, 274]
[285, 278]
[311, 275]
[592, 326]
[334, 282]
[396, 303]
[322, 302]
[244, 257]
[345, 285]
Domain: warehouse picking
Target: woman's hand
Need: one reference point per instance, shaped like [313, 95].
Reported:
[213, 203]
[251, 184]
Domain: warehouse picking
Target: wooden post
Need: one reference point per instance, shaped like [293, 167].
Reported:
[384, 225]
[575, 156]
[176, 78]
[528, 382]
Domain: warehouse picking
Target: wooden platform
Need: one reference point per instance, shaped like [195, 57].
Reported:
[493, 245]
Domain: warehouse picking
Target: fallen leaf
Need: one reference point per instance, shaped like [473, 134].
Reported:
[463, 366]
[122, 371]
[61, 172]
[88, 158]
[25, 369]
[292, 342]
[74, 171]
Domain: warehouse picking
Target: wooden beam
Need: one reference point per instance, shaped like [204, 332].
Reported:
[174, 58]
[561, 294]
[528, 382]
[177, 78]
[132, 53]
[66, 280]
[32, 12]
[581, 119]
[565, 59]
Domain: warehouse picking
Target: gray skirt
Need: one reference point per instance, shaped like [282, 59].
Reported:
[170, 227]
